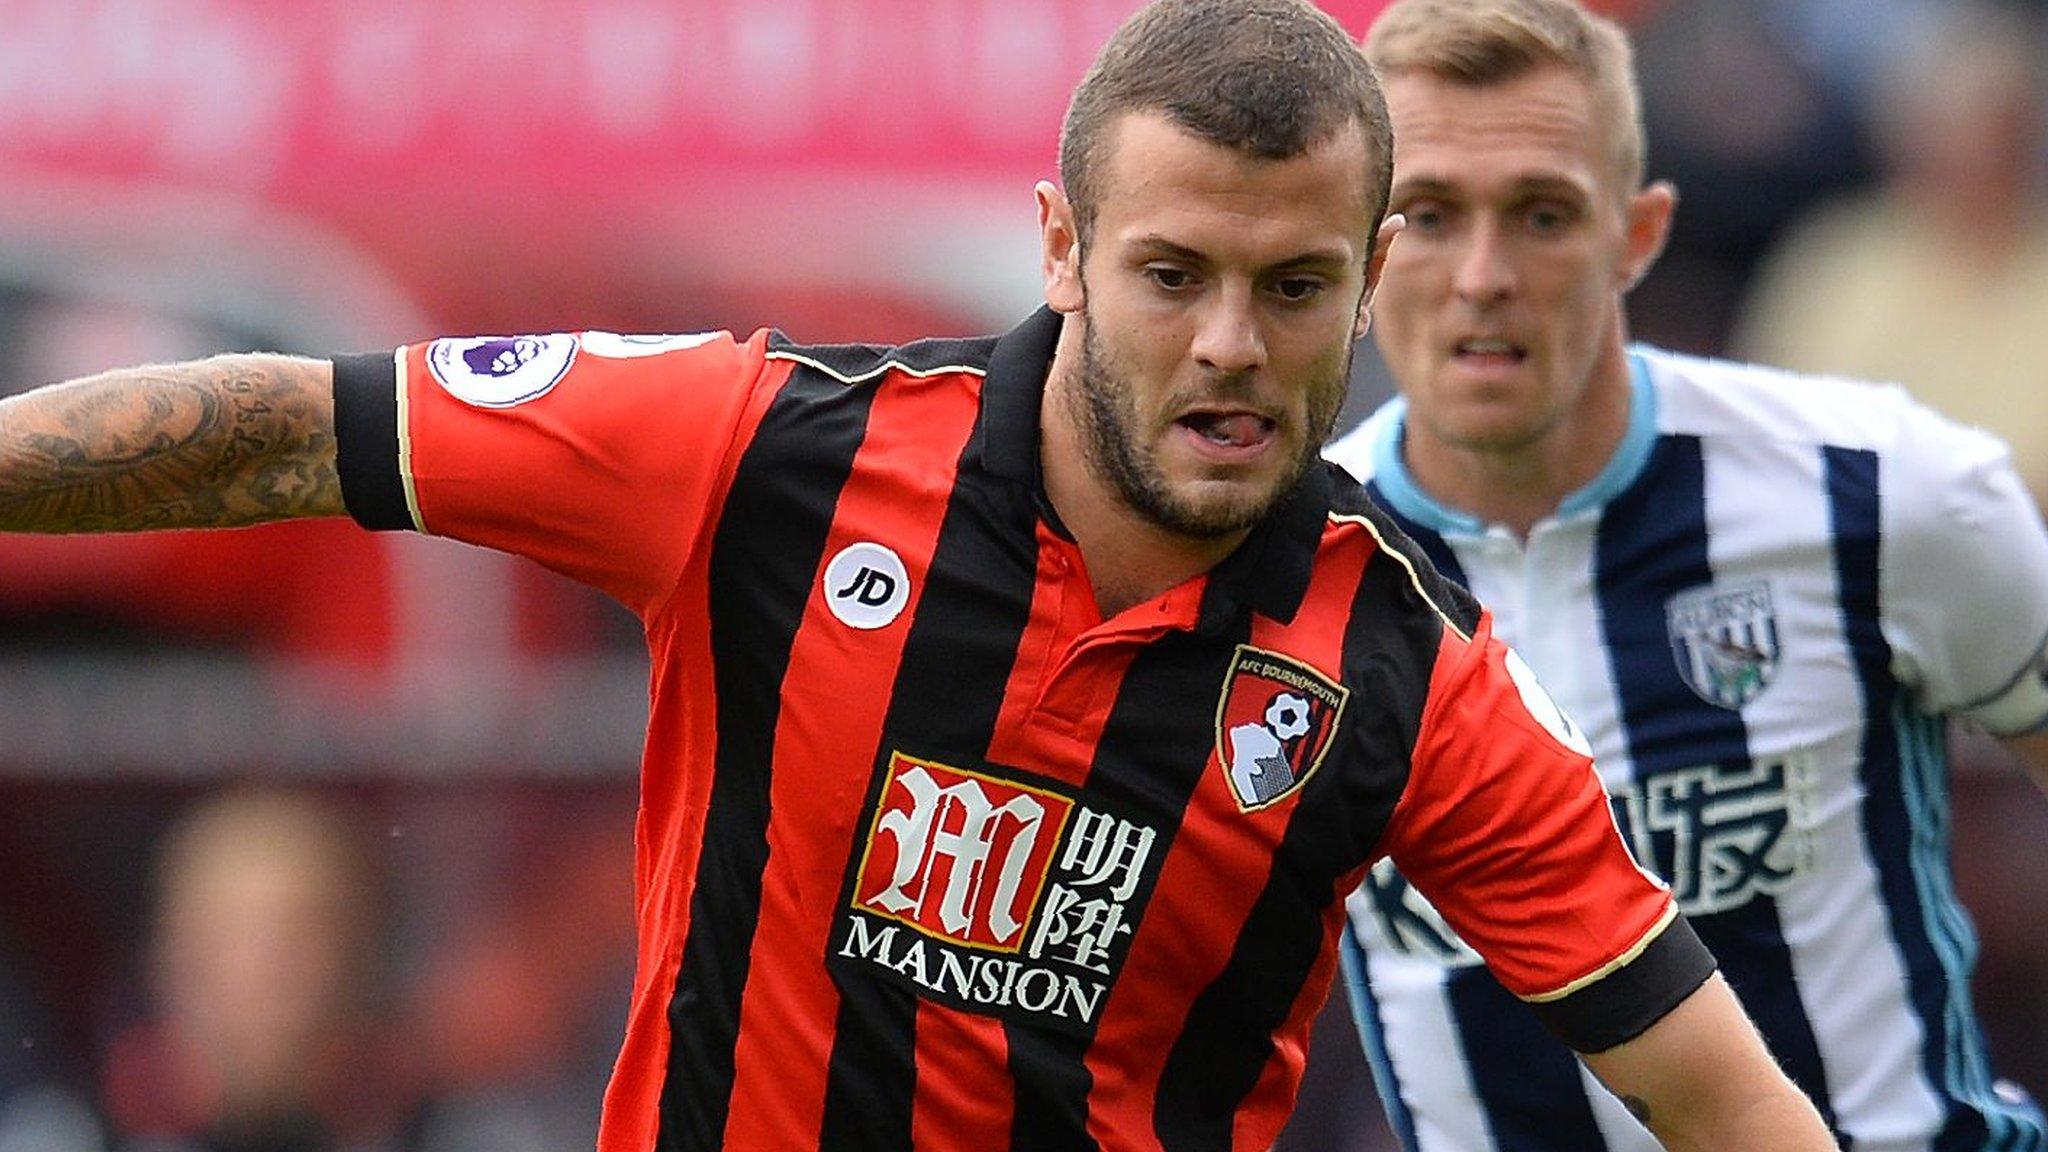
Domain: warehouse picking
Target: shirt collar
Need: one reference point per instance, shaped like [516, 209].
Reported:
[1011, 396]
[1269, 572]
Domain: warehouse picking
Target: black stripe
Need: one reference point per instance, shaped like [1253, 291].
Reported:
[948, 693]
[865, 361]
[765, 556]
[1053, 1083]
[1625, 1004]
[366, 441]
[1431, 543]
[1154, 748]
[1390, 643]
[1652, 545]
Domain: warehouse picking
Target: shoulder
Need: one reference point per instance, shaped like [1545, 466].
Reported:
[1397, 564]
[863, 363]
[1708, 397]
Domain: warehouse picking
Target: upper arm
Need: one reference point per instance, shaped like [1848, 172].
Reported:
[1700, 1077]
[1506, 829]
[227, 441]
[1965, 575]
[597, 455]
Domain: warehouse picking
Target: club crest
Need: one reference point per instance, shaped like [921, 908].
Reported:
[1725, 641]
[1274, 724]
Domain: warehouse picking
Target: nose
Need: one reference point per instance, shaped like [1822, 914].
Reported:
[1228, 338]
[1484, 274]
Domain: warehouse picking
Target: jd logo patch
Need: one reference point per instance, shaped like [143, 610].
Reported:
[1273, 724]
[1725, 641]
[866, 585]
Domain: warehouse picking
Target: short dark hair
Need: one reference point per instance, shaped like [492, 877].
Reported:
[1270, 78]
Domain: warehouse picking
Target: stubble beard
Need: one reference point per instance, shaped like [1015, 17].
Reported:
[1105, 409]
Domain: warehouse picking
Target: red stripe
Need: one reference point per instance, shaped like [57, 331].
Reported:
[670, 828]
[895, 498]
[1220, 862]
[952, 1107]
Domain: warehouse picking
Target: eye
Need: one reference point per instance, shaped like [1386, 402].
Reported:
[1169, 277]
[1425, 216]
[1548, 219]
[1298, 289]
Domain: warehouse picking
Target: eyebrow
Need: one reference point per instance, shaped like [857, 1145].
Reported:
[1316, 260]
[1539, 185]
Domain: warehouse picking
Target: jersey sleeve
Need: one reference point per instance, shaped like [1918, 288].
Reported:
[1505, 827]
[1964, 564]
[598, 455]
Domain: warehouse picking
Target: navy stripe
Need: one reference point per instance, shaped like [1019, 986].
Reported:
[1528, 1084]
[1904, 775]
[1372, 1037]
[1651, 546]
[948, 692]
[765, 555]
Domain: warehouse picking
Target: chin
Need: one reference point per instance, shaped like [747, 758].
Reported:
[1209, 510]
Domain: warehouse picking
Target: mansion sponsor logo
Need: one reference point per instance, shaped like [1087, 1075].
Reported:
[996, 896]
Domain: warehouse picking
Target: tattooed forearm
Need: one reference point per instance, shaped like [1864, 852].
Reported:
[228, 441]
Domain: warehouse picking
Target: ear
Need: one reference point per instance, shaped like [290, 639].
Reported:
[1059, 250]
[1649, 226]
[1382, 242]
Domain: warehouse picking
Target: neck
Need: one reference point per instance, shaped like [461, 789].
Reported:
[1519, 486]
[1130, 559]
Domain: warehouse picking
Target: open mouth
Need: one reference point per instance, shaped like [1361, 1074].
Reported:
[1491, 350]
[1230, 429]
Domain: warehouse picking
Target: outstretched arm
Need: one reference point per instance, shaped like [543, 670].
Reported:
[215, 443]
[1700, 1078]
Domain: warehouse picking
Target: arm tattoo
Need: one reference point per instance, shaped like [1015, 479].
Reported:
[214, 443]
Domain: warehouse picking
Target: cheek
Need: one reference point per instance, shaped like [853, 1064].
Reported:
[1399, 302]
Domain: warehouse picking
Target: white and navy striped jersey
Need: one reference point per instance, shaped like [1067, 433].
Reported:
[1761, 613]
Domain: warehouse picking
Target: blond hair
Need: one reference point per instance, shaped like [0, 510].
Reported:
[1485, 42]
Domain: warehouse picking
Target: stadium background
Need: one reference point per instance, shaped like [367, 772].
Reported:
[179, 177]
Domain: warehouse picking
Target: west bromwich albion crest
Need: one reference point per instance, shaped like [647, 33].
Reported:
[1725, 641]
[1274, 724]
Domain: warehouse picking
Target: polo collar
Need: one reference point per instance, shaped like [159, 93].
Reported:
[1268, 572]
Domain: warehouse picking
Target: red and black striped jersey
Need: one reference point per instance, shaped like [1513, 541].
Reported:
[930, 854]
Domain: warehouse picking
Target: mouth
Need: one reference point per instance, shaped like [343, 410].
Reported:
[1229, 432]
[1489, 351]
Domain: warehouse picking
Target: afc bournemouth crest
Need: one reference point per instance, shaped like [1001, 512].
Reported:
[1725, 641]
[1274, 724]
